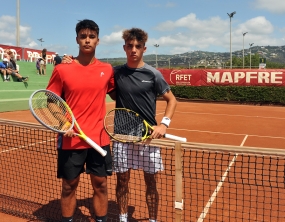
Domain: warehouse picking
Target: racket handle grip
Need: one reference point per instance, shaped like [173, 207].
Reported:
[96, 147]
[178, 138]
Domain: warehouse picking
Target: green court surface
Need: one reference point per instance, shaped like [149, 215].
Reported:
[15, 95]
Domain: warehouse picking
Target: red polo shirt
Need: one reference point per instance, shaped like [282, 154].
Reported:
[84, 88]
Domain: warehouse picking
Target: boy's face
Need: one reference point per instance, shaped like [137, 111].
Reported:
[134, 50]
[87, 40]
[10, 54]
[7, 56]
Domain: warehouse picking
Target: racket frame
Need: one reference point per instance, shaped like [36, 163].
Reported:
[148, 127]
[113, 135]
[81, 134]
[61, 100]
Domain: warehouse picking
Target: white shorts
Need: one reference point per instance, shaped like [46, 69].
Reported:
[136, 156]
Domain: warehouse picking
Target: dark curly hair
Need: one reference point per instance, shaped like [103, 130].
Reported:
[135, 34]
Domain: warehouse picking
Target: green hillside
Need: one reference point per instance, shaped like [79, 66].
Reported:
[15, 95]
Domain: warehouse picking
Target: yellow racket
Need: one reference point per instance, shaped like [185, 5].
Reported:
[125, 125]
[55, 114]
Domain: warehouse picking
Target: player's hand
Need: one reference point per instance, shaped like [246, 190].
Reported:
[69, 133]
[66, 127]
[67, 59]
[158, 131]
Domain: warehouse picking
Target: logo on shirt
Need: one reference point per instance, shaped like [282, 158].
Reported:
[102, 74]
[146, 81]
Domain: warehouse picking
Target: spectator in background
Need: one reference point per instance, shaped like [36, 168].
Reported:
[13, 60]
[43, 63]
[56, 59]
[3, 71]
[6, 51]
[38, 66]
[11, 71]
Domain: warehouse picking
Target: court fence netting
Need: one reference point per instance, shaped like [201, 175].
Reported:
[200, 182]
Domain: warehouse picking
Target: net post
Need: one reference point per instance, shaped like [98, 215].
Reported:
[178, 183]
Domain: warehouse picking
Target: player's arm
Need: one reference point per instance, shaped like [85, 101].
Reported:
[171, 104]
[112, 94]
[161, 128]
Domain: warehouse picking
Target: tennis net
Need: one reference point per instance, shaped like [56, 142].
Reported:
[200, 182]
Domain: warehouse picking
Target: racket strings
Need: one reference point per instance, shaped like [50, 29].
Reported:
[126, 126]
[51, 111]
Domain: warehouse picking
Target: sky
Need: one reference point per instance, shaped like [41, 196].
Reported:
[178, 26]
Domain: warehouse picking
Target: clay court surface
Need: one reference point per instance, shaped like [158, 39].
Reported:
[228, 124]
[211, 123]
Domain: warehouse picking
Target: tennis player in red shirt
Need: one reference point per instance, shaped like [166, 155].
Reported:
[83, 84]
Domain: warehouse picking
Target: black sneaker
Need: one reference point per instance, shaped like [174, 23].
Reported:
[8, 79]
[25, 79]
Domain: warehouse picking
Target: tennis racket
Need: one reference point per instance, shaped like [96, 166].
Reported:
[125, 125]
[54, 113]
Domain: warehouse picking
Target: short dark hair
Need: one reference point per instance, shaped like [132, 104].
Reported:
[87, 24]
[135, 34]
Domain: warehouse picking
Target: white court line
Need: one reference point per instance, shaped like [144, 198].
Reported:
[242, 143]
[21, 147]
[17, 90]
[220, 184]
[7, 100]
[215, 114]
[236, 134]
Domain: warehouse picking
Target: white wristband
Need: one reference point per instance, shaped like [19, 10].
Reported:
[165, 121]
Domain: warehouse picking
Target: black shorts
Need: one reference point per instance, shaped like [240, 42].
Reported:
[71, 163]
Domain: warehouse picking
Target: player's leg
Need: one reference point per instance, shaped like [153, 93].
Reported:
[122, 194]
[70, 166]
[152, 164]
[152, 197]
[100, 197]
[68, 198]
[99, 168]
[122, 159]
